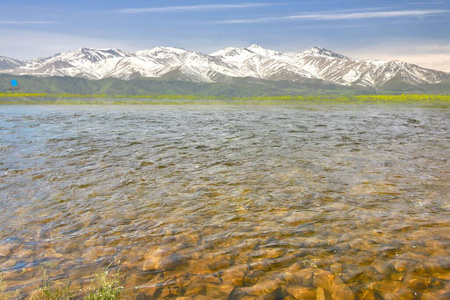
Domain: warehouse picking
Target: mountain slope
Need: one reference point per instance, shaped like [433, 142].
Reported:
[224, 65]
[234, 87]
[323, 64]
[9, 63]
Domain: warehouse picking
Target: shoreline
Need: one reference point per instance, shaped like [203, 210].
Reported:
[75, 99]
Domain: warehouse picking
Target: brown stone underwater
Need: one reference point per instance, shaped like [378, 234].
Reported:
[228, 202]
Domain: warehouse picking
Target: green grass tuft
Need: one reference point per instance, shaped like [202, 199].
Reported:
[51, 291]
[107, 286]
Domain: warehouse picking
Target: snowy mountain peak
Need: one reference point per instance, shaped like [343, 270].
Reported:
[161, 51]
[231, 51]
[87, 54]
[246, 52]
[262, 51]
[253, 61]
[255, 47]
[10, 63]
[101, 54]
[319, 51]
[112, 51]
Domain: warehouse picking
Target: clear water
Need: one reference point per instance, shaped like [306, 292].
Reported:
[326, 201]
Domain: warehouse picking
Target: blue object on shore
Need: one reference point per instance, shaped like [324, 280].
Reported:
[14, 82]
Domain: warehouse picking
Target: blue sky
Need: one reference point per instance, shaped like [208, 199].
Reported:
[413, 31]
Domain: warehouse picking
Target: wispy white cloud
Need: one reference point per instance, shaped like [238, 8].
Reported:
[425, 53]
[27, 22]
[342, 16]
[427, 3]
[191, 8]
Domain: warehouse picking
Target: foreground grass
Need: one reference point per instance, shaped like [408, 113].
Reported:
[22, 98]
[51, 291]
[106, 286]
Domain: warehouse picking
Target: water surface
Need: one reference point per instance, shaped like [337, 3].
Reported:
[217, 202]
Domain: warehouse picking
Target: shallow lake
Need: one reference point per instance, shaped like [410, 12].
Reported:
[238, 202]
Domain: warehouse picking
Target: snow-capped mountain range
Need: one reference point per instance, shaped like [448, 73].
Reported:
[253, 61]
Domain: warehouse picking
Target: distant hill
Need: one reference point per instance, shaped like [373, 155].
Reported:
[247, 87]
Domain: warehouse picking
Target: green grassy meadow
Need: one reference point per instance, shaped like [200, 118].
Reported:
[173, 99]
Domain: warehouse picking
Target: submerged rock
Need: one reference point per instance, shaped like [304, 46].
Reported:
[417, 282]
[336, 268]
[301, 292]
[97, 252]
[226, 288]
[441, 294]
[214, 291]
[262, 288]
[173, 262]
[400, 265]
[235, 275]
[51, 253]
[252, 277]
[268, 253]
[323, 279]
[393, 290]
[303, 277]
[320, 294]
[198, 267]
[6, 249]
[201, 297]
[212, 278]
[219, 264]
[332, 284]
[367, 295]
[153, 258]
[275, 295]
[195, 288]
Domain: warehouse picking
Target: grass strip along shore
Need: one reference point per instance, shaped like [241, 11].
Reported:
[102, 99]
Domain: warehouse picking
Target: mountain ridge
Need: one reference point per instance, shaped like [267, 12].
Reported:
[253, 61]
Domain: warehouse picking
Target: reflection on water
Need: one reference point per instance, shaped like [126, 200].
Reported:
[213, 202]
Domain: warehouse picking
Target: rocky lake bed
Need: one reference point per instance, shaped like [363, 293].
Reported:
[228, 202]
